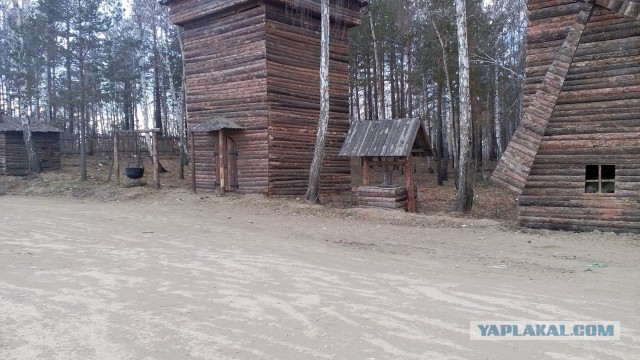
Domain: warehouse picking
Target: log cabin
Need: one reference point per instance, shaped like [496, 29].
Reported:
[13, 151]
[574, 162]
[253, 93]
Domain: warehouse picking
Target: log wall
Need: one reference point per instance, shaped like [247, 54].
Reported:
[257, 63]
[227, 76]
[3, 152]
[596, 121]
[14, 153]
[547, 77]
[293, 63]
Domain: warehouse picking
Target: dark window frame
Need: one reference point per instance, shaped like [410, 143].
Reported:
[606, 176]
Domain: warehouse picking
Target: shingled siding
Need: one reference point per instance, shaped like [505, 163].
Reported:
[226, 76]
[293, 63]
[596, 122]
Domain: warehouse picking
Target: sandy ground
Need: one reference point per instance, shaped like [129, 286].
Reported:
[181, 276]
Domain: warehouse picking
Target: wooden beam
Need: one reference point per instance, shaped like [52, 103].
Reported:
[389, 163]
[193, 162]
[156, 161]
[116, 159]
[514, 166]
[411, 201]
[222, 160]
[366, 171]
[138, 131]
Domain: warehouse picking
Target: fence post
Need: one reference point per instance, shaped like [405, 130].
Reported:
[116, 158]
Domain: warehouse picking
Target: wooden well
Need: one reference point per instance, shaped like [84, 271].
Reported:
[392, 197]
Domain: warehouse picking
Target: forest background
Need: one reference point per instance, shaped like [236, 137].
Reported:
[87, 66]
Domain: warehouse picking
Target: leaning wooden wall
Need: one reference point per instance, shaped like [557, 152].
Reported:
[595, 122]
[226, 76]
[549, 25]
[293, 63]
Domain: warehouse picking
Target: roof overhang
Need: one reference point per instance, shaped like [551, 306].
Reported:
[216, 124]
[386, 138]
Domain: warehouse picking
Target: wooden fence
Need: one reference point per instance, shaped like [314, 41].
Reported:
[103, 145]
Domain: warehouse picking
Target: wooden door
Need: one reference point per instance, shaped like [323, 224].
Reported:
[44, 154]
[232, 165]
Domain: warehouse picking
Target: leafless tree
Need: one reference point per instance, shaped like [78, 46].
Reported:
[313, 189]
[466, 168]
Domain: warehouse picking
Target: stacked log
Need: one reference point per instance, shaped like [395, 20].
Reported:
[226, 76]
[293, 63]
[257, 63]
[13, 153]
[595, 121]
[383, 197]
[3, 154]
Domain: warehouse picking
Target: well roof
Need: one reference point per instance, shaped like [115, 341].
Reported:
[385, 138]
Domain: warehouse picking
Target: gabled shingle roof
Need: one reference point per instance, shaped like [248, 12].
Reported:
[385, 138]
[9, 123]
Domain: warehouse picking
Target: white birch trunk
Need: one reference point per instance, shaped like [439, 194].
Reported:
[382, 110]
[496, 107]
[466, 170]
[313, 190]
[27, 135]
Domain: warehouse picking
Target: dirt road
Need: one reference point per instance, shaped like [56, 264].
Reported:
[237, 278]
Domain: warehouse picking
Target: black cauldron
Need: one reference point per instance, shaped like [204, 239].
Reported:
[134, 172]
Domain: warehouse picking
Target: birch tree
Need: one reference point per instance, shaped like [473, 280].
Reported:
[466, 168]
[22, 63]
[313, 189]
[382, 109]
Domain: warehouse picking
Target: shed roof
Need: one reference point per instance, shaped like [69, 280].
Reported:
[385, 138]
[9, 123]
[216, 124]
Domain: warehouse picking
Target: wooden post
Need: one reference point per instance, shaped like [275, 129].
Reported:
[116, 158]
[411, 201]
[366, 171]
[222, 160]
[156, 161]
[193, 161]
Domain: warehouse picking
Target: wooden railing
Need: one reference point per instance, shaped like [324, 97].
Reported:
[103, 145]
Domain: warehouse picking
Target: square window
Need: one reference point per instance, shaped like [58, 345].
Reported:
[608, 187]
[608, 172]
[600, 179]
[591, 188]
[593, 172]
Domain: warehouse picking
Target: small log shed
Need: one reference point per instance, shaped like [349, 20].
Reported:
[13, 152]
[388, 143]
[574, 162]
